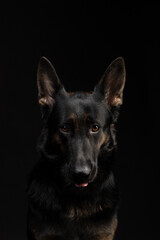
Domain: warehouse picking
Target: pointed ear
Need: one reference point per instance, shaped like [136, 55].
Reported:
[111, 85]
[48, 83]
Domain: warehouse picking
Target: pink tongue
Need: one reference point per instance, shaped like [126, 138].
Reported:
[81, 185]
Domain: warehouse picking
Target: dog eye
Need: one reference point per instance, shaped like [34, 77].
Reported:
[95, 128]
[65, 128]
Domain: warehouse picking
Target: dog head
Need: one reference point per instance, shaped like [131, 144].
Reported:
[79, 126]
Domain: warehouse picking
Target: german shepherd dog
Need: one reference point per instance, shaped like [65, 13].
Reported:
[72, 192]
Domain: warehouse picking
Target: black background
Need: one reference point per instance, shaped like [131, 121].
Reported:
[81, 38]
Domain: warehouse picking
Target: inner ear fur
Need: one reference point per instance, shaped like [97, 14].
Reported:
[48, 83]
[111, 85]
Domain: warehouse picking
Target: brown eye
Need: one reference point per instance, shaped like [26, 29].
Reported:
[65, 128]
[95, 128]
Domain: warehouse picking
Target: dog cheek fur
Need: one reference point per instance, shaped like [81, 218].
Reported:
[58, 142]
[108, 139]
[102, 141]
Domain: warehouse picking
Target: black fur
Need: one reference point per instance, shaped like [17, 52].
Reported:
[72, 192]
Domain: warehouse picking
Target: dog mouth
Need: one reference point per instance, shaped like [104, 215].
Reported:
[81, 185]
[82, 181]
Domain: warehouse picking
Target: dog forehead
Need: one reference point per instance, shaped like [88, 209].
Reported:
[75, 107]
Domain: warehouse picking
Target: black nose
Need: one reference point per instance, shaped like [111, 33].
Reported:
[81, 173]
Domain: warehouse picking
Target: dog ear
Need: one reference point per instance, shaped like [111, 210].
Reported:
[48, 83]
[111, 85]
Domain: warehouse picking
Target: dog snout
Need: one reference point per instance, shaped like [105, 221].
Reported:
[81, 173]
[83, 170]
